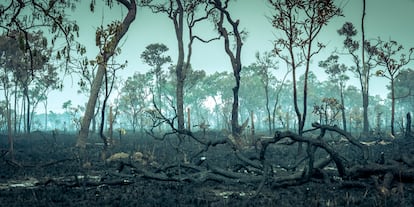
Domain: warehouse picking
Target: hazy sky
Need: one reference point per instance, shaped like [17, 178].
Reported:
[385, 19]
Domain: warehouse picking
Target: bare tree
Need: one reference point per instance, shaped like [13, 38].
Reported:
[183, 14]
[363, 63]
[234, 55]
[300, 23]
[391, 56]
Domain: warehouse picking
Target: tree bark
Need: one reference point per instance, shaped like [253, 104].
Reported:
[392, 107]
[365, 91]
[235, 59]
[97, 81]
[269, 116]
[343, 107]
[179, 71]
[408, 127]
[26, 93]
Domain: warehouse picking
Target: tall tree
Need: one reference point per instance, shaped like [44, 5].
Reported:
[7, 64]
[363, 67]
[116, 31]
[133, 98]
[47, 81]
[86, 71]
[265, 64]
[300, 23]
[391, 56]
[182, 13]
[29, 72]
[153, 56]
[364, 73]
[337, 74]
[233, 31]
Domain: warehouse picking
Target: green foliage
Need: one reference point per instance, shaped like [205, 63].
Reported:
[106, 39]
[21, 18]
[135, 97]
[153, 55]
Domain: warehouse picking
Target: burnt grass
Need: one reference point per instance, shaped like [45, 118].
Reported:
[47, 171]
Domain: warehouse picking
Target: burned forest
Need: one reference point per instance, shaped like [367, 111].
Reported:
[206, 103]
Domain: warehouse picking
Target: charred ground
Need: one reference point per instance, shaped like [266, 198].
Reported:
[176, 171]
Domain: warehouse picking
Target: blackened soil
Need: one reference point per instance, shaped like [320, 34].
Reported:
[47, 172]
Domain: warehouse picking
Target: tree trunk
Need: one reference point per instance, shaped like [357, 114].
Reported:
[46, 115]
[180, 72]
[408, 125]
[392, 107]
[97, 81]
[235, 59]
[15, 109]
[252, 123]
[365, 72]
[269, 116]
[26, 93]
[9, 122]
[9, 132]
[235, 107]
[343, 108]
[180, 103]
[188, 119]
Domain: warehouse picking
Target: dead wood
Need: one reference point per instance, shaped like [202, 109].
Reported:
[347, 136]
[407, 160]
[400, 172]
[338, 160]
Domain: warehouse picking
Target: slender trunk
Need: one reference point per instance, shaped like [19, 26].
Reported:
[22, 117]
[235, 59]
[102, 125]
[15, 108]
[46, 115]
[235, 107]
[408, 125]
[269, 118]
[111, 122]
[9, 132]
[27, 111]
[9, 124]
[305, 85]
[134, 125]
[365, 103]
[252, 123]
[343, 108]
[23, 114]
[188, 119]
[392, 107]
[366, 77]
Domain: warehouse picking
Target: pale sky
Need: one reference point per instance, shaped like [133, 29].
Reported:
[385, 19]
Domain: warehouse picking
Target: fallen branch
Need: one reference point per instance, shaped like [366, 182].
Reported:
[347, 136]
